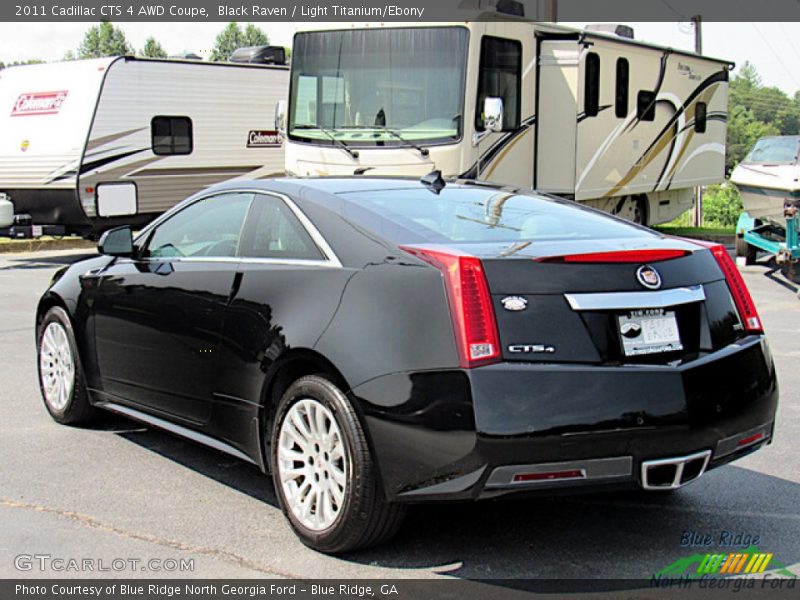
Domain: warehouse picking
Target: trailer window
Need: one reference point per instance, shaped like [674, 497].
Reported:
[621, 95]
[591, 87]
[646, 105]
[171, 135]
[500, 76]
[700, 117]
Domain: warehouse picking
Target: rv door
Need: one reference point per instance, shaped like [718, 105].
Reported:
[557, 116]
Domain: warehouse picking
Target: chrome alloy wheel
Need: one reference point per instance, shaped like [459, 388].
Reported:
[56, 366]
[312, 464]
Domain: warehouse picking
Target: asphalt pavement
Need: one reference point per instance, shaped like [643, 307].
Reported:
[163, 507]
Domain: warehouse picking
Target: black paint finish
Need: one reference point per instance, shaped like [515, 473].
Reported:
[209, 344]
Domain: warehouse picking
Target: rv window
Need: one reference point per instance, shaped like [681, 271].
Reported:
[700, 117]
[621, 96]
[591, 88]
[273, 231]
[171, 135]
[646, 106]
[500, 77]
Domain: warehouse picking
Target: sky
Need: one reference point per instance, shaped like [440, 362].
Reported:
[774, 48]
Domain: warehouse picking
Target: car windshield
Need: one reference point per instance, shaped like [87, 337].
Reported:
[775, 150]
[360, 86]
[465, 215]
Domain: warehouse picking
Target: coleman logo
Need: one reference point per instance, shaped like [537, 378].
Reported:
[648, 277]
[38, 103]
[263, 139]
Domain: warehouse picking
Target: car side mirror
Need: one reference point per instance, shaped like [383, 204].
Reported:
[493, 113]
[117, 242]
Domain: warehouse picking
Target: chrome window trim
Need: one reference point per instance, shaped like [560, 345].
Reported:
[330, 260]
[635, 300]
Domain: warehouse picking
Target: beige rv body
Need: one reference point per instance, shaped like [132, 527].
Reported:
[613, 159]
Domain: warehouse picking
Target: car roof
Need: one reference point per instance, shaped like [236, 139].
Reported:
[354, 184]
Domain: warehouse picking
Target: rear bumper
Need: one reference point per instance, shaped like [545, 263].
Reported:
[542, 428]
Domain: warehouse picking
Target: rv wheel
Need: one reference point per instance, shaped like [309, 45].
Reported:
[640, 210]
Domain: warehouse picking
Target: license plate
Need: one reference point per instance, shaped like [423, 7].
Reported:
[649, 331]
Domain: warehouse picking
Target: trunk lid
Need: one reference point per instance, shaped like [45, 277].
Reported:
[549, 309]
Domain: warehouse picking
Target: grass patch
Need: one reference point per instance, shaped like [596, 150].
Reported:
[670, 229]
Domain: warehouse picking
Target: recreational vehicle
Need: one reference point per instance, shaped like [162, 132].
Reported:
[88, 145]
[625, 126]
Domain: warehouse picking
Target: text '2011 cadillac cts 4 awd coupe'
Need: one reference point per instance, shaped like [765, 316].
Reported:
[377, 342]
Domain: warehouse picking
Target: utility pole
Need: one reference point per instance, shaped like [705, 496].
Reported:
[551, 11]
[697, 212]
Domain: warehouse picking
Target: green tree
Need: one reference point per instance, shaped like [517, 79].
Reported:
[152, 49]
[233, 37]
[104, 40]
[254, 36]
[32, 61]
[722, 205]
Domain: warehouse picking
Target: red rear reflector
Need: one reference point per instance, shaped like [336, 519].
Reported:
[621, 256]
[741, 295]
[750, 439]
[574, 474]
[470, 304]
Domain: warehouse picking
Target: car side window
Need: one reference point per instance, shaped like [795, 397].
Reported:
[210, 227]
[274, 231]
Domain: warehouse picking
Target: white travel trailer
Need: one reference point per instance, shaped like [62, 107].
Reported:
[625, 126]
[91, 144]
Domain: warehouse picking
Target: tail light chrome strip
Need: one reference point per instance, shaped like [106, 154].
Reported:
[626, 300]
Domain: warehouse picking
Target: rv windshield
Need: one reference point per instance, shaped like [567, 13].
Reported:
[367, 86]
[775, 150]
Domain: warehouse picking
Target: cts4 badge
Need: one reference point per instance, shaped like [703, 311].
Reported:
[514, 303]
[531, 349]
[648, 277]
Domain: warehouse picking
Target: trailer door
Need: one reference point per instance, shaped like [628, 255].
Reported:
[557, 116]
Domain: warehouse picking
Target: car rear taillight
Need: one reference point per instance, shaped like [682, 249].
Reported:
[619, 256]
[741, 295]
[470, 304]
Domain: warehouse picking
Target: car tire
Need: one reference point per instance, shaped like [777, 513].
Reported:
[61, 379]
[324, 473]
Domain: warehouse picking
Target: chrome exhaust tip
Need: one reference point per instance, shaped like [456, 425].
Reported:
[672, 473]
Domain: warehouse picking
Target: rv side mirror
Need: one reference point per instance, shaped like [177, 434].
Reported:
[116, 242]
[493, 113]
[280, 117]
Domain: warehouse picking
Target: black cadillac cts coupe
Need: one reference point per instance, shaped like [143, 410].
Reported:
[377, 342]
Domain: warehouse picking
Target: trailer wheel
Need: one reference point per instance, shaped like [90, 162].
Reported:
[743, 249]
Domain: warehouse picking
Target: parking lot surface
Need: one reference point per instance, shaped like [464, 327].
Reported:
[123, 491]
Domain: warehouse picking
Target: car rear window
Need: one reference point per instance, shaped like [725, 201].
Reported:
[461, 214]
